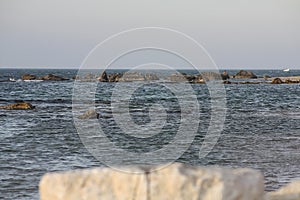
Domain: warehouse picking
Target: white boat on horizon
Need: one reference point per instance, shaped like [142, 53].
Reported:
[286, 70]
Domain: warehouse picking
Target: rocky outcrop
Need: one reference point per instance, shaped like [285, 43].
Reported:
[174, 182]
[28, 77]
[90, 114]
[18, 106]
[52, 77]
[289, 192]
[277, 81]
[137, 76]
[245, 74]
[182, 77]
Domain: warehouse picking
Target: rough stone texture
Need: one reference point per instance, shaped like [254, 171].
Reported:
[28, 77]
[136, 76]
[182, 77]
[90, 114]
[18, 106]
[289, 192]
[103, 77]
[115, 77]
[277, 81]
[51, 77]
[245, 74]
[175, 182]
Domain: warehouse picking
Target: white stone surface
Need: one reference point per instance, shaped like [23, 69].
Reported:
[175, 182]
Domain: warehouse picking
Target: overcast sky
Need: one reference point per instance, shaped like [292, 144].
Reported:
[236, 33]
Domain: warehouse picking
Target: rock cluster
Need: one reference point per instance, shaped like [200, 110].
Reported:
[287, 81]
[49, 77]
[174, 182]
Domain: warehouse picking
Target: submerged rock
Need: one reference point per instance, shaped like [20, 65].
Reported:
[176, 181]
[52, 77]
[28, 77]
[18, 106]
[90, 114]
[245, 74]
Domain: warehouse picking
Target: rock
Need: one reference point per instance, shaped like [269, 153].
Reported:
[267, 77]
[103, 77]
[245, 74]
[90, 114]
[209, 76]
[174, 182]
[226, 82]
[288, 81]
[76, 77]
[177, 77]
[182, 77]
[115, 77]
[18, 106]
[289, 192]
[132, 76]
[277, 81]
[151, 77]
[225, 75]
[28, 77]
[51, 77]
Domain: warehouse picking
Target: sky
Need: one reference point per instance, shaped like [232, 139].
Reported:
[237, 34]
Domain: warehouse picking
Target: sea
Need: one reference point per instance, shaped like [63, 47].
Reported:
[261, 128]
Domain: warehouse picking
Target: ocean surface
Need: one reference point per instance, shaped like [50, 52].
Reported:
[261, 130]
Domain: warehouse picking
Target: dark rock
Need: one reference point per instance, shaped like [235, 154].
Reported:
[76, 77]
[18, 106]
[90, 114]
[28, 77]
[103, 77]
[277, 81]
[51, 77]
[182, 77]
[245, 74]
[225, 75]
[226, 82]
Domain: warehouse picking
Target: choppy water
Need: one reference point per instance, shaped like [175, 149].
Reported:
[262, 129]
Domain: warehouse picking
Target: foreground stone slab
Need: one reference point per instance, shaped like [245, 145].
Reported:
[174, 182]
[289, 192]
